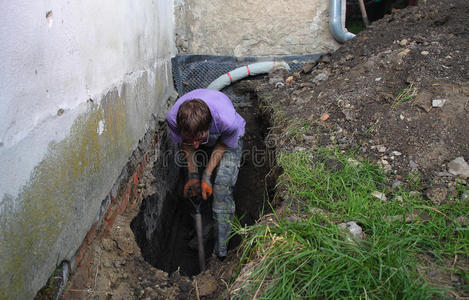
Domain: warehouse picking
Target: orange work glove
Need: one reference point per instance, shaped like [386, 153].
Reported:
[206, 186]
[192, 186]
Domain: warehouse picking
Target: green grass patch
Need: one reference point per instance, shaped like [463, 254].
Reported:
[313, 258]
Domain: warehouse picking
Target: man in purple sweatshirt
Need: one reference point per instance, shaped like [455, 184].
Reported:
[207, 117]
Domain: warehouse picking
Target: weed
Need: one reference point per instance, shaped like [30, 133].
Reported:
[405, 95]
[414, 179]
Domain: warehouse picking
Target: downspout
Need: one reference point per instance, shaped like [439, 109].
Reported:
[337, 21]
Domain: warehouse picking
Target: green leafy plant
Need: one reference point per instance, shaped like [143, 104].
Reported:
[405, 95]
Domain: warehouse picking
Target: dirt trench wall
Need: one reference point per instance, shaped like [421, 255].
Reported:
[80, 82]
[253, 28]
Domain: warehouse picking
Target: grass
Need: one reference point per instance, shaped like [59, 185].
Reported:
[313, 258]
[405, 95]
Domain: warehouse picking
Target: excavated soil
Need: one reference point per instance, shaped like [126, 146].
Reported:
[373, 96]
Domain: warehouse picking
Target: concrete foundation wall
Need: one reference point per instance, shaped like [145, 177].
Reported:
[80, 82]
[253, 28]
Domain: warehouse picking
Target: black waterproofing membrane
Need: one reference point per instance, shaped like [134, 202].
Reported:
[192, 72]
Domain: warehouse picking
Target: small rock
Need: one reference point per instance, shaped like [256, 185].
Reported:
[398, 199]
[326, 58]
[465, 195]
[277, 76]
[320, 77]
[308, 68]
[403, 42]
[300, 149]
[415, 194]
[459, 166]
[353, 162]
[413, 165]
[381, 148]
[437, 194]
[424, 52]
[378, 79]
[423, 100]
[396, 184]
[349, 57]
[387, 168]
[438, 102]
[401, 117]
[396, 153]
[289, 79]
[379, 195]
[306, 84]
[444, 174]
[308, 138]
[352, 227]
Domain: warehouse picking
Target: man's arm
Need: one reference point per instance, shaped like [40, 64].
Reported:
[215, 158]
[217, 154]
[189, 153]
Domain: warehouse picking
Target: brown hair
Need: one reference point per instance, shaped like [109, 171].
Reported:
[193, 117]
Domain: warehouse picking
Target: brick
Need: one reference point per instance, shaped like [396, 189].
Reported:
[80, 254]
[111, 217]
[125, 198]
[91, 234]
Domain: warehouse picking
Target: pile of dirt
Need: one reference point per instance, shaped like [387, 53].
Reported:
[377, 91]
[375, 95]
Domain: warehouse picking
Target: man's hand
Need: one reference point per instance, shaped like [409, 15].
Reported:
[192, 186]
[206, 185]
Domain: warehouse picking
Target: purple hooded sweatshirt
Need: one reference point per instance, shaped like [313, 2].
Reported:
[227, 124]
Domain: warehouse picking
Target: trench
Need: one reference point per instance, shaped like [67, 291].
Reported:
[164, 228]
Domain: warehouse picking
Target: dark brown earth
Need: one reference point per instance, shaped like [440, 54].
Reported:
[373, 96]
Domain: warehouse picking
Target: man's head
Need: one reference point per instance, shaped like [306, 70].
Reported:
[193, 120]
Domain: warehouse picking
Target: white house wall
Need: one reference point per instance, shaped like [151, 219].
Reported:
[79, 82]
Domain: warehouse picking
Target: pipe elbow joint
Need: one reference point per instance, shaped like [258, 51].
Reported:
[336, 15]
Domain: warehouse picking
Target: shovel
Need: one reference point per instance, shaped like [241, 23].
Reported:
[196, 201]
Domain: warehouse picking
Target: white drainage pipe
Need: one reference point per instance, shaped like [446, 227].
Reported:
[242, 72]
[337, 21]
